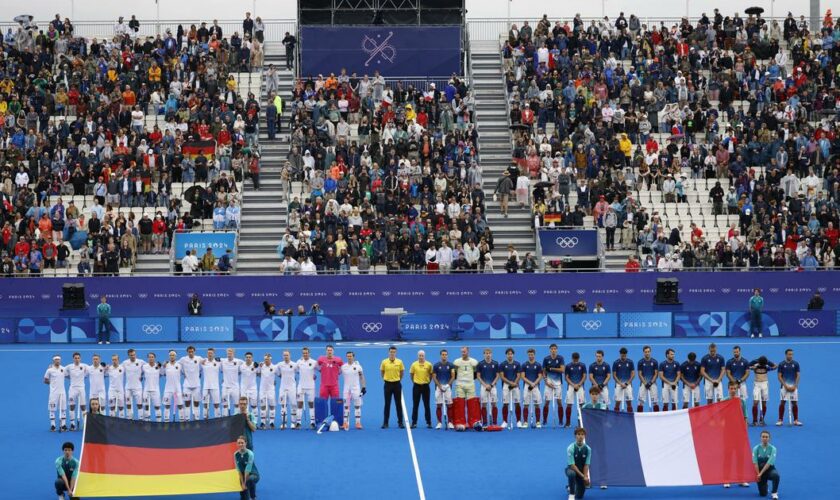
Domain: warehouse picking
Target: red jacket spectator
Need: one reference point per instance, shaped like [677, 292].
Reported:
[632, 265]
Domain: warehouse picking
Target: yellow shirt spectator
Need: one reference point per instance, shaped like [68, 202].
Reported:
[421, 373]
[154, 74]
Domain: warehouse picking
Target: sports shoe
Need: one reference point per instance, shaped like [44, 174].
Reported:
[760, 335]
[603, 486]
[282, 427]
[345, 426]
[262, 426]
[413, 426]
[358, 426]
[779, 423]
[745, 485]
[271, 426]
[775, 496]
[296, 426]
[539, 425]
[63, 428]
[726, 485]
[52, 428]
[72, 427]
[450, 425]
[438, 426]
[797, 423]
[752, 335]
[312, 425]
[571, 497]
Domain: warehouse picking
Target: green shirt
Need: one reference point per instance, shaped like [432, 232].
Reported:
[764, 454]
[104, 310]
[600, 405]
[579, 455]
[67, 467]
[756, 303]
[245, 462]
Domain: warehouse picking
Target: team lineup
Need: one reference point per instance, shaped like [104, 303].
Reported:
[192, 385]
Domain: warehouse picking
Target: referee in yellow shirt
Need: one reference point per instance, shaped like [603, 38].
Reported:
[421, 376]
[392, 370]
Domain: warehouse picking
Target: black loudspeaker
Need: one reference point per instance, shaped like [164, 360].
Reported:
[73, 295]
[667, 291]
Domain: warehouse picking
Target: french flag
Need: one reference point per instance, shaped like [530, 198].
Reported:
[703, 445]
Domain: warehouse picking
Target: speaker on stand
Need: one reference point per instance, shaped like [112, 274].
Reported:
[667, 291]
[73, 295]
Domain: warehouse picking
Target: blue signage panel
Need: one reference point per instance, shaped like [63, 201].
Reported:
[568, 242]
[219, 242]
[700, 324]
[645, 324]
[805, 323]
[591, 325]
[85, 330]
[43, 330]
[739, 324]
[206, 328]
[7, 330]
[392, 50]
[367, 326]
[261, 329]
[428, 326]
[536, 325]
[314, 327]
[159, 329]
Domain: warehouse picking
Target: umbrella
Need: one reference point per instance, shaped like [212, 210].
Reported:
[23, 19]
[193, 195]
[754, 11]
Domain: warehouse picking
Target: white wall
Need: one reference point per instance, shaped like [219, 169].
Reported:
[107, 10]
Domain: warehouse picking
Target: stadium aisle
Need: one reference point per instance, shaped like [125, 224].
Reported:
[376, 463]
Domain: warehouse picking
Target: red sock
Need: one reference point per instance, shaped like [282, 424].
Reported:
[629, 407]
[795, 405]
[617, 406]
[569, 415]
[685, 406]
[545, 413]
[763, 411]
[755, 412]
[674, 406]
[640, 408]
[439, 413]
[525, 415]
[656, 407]
[504, 413]
[518, 410]
[449, 413]
[781, 411]
[495, 414]
[559, 413]
[483, 414]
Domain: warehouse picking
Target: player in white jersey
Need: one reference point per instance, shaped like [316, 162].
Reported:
[172, 395]
[96, 377]
[268, 399]
[76, 372]
[151, 388]
[287, 370]
[354, 389]
[306, 387]
[230, 381]
[54, 377]
[248, 382]
[133, 384]
[116, 393]
[210, 369]
[191, 368]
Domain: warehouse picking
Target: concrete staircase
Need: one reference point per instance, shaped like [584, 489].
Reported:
[264, 211]
[494, 143]
[150, 263]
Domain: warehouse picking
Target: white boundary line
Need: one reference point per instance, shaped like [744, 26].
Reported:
[244, 346]
[420, 489]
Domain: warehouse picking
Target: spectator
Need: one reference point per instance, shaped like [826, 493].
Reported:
[816, 303]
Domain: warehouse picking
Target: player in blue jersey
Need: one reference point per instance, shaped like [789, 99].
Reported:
[711, 369]
[669, 374]
[761, 390]
[648, 368]
[510, 372]
[690, 376]
[488, 376]
[623, 373]
[532, 374]
[738, 370]
[443, 373]
[599, 375]
[789, 378]
[575, 378]
[554, 366]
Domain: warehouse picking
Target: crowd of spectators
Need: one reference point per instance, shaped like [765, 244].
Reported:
[736, 111]
[392, 178]
[75, 122]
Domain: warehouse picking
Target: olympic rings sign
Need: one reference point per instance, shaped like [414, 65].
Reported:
[590, 325]
[152, 329]
[371, 327]
[567, 241]
[809, 322]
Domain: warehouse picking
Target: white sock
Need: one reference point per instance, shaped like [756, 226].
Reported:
[311, 414]
[271, 414]
[358, 414]
[346, 414]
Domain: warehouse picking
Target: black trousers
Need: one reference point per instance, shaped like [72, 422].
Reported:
[770, 475]
[420, 391]
[393, 389]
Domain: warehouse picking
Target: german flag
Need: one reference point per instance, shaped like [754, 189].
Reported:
[195, 148]
[123, 458]
[550, 217]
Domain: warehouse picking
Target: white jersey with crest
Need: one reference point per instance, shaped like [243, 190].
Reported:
[351, 375]
[96, 376]
[249, 376]
[287, 374]
[172, 372]
[210, 369]
[76, 374]
[230, 372]
[133, 374]
[268, 373]
[55, 374]
[306, 368]
[151, 375]
[191, 368]
[116, 377]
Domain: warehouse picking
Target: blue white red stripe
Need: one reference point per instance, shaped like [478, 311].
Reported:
[704, 445]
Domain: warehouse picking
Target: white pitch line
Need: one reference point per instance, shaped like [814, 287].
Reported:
[413, 451]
